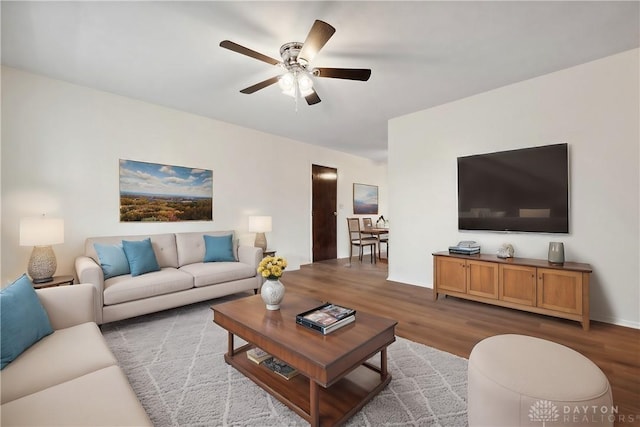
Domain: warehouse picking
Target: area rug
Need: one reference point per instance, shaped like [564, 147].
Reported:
[174, 362]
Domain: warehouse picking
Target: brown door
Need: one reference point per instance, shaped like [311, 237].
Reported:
[324, 212]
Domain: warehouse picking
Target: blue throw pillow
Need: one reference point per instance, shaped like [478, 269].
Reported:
[23, 320]
[218, 248]
[141, 257]
[112, 260]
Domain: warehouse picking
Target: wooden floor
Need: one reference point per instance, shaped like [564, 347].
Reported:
[455, 325]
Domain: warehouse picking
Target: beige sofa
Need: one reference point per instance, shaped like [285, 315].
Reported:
[183, 277]
[69, 377]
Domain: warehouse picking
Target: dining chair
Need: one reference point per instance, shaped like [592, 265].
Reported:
[384, 238]
[356, 239]
[367, 223]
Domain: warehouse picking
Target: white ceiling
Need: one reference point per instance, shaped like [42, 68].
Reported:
[421, 53]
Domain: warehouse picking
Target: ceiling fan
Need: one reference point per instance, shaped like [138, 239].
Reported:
[296, 59]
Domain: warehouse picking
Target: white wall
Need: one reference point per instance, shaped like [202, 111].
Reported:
[592, 107]
[60, 149]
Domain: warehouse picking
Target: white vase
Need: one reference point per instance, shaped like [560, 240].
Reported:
[272, 292]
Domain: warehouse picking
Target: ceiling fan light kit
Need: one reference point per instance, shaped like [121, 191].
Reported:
[297, 80]
[294, 83]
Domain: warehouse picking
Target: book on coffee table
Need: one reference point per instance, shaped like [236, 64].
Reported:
[280, 368]
[257, 355]
[326, 318]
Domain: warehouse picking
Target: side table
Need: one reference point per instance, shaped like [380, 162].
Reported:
[57, 281]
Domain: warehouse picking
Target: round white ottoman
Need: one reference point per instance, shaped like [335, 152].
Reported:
[517, 380]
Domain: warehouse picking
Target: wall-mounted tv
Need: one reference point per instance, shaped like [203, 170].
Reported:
[523, 190]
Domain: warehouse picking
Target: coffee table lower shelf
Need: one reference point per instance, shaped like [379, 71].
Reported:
[336, 404]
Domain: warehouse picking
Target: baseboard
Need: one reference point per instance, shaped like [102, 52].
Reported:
[614, 321]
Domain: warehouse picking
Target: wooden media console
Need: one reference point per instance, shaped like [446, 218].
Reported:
[525, 284]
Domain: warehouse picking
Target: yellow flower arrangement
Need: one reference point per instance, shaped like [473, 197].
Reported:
[272, 267]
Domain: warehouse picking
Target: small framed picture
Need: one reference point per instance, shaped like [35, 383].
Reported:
[365, 199]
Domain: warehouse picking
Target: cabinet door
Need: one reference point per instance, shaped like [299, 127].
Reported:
[560, 290]
[451, 274]
[518, 284]
[482, 279]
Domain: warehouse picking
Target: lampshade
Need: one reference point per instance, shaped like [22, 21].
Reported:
[305, 83]
[259, 224]
[286, 81]
[41, 231]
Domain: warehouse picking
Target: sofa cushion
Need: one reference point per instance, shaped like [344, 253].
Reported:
[191, 247]
[65, 354]
[218, 248]
[140, 256]
[100, 398]
[211, 273]
[164, 247]
[113, 260]
[23, 320]
[128, 288]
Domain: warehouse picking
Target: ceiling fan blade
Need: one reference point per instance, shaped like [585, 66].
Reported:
[312, 98]
[318, 36]
[362, 74]
[256, 87]
[227, 44]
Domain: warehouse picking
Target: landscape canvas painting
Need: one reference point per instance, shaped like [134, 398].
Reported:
[365, 199]
[164, 193]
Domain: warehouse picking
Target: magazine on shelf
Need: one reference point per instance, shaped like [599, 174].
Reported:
[280, 368]
[326, 318]
[257, 355]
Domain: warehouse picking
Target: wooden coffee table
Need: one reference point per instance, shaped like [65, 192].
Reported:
[335, 382]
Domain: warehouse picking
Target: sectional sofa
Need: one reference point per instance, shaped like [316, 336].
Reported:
[69, 376]
[191, 267]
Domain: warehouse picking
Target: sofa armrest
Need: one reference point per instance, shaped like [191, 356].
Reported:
[250, 255]
[68, 306]
[89, 271]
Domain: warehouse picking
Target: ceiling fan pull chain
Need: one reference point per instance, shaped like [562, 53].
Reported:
[297, 89]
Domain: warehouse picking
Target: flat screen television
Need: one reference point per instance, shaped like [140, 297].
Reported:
[524, 190]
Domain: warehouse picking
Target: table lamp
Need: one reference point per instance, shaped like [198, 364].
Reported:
[260, 225]
[41, 233]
